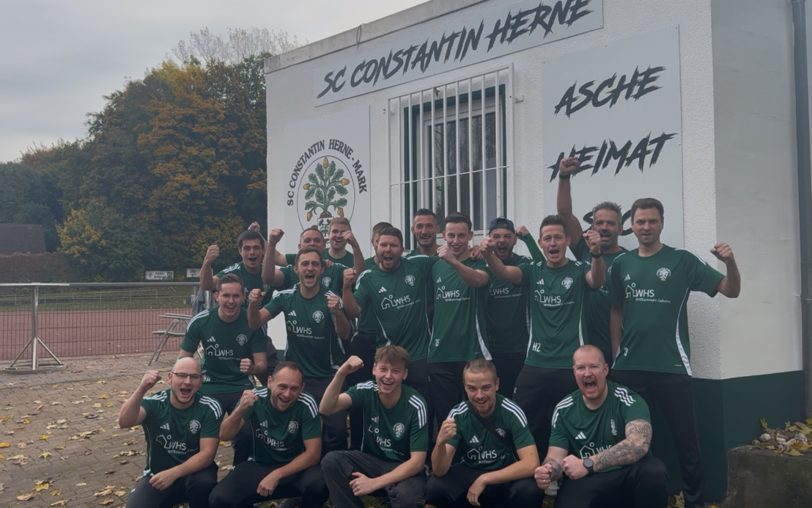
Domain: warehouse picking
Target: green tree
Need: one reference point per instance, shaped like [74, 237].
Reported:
[28, 198]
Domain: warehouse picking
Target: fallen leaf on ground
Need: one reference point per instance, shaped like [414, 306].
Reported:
[45, 455]
[41, 485]
[120, 493]
[5, 444]
[61, 502]
[83, 484]
[24, 497]
[104, 492]
[44, 437]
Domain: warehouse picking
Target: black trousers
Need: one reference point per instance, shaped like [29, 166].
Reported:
[672, 397]
[538, 391]
[334, 432]
[508, 366]
[451, 490]
[639, 485]
[339, 466]
[242, 442]
[193, 489]
[239, 488]
[362, 346]
[445, 385]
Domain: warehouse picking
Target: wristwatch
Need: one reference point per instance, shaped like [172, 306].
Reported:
[588, 465]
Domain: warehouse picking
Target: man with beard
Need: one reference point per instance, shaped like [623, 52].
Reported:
[599, 464]
[393, 292]
[181, 428]
[316, 325]
[557, 286]
[286, 429]
[285, 277]
[232, 351]
[394, 449]
[607, 220]
[424, 228]
[649, 289]
[498, 456]
[506, 309]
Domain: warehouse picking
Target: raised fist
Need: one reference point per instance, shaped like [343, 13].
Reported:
[569, 166]
[212, 253]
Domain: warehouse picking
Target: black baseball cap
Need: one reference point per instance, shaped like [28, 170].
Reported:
[501, 223]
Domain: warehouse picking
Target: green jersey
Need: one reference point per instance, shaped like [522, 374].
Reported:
[555, 312]
[458, 333]
[347, 259]
[585, 432]
[479, 447]
[332, 279]
[279, 436]
[397, 301]
[506, 312]
[367, 324]
[653, 292]
[249, 280]
[391, 434]
[312, 339]
[173, 435]
[596, 303]
[224, 345]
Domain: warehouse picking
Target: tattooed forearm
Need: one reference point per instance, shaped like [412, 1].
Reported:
[555, 468]
[628, 451]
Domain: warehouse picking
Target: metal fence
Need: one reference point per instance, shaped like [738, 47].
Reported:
[86, 319]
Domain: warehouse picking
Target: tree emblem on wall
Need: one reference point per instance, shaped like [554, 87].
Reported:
[325, 189]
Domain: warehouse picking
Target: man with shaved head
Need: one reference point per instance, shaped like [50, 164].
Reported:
[182, 431]
[599, 445]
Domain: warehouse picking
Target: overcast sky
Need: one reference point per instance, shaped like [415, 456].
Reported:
[59, 58]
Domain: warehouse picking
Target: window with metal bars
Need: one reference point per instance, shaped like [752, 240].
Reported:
[452, 150]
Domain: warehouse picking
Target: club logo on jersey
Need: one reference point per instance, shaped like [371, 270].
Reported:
[567, 282]
[663, 274]
[500, 431]
[613, 426]
[318, 316]
[409, 280]
[325, 281]
[242, 339]
[194, 426]
[293, 427]
[398, 430]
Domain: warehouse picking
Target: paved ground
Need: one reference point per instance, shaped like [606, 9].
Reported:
[60, 444]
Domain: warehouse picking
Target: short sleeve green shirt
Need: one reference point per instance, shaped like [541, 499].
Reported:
[312, 340]
[653, 292]
[367, 323]
[346, 260]
[279, 436]
[479, 447]
[596, 303]
[585, 432]
[506, 313]
[556, 312]
[397, 300]
[332, 279]
[249, 280]
[391, 434]
[173, 435]
[459, 331]
[224, 345]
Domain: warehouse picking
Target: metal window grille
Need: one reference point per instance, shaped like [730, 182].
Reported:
[453, 150]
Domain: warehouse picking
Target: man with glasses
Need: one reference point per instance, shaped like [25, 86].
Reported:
[181, 427]
[232, 352]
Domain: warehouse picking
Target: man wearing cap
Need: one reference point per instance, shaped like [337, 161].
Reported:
[506, 309]
[181, 428]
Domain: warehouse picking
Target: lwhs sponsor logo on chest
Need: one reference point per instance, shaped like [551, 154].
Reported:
[631, 290]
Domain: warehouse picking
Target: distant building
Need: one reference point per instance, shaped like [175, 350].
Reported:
[29, 238]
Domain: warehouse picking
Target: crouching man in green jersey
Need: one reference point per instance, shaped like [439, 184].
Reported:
[181, 428]
[600, 442]
[393, 450]
[497, 449]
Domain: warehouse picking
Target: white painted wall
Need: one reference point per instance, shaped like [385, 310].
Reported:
[757, 200]
[731, 131]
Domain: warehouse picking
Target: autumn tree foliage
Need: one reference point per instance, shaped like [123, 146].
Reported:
[175, 161]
